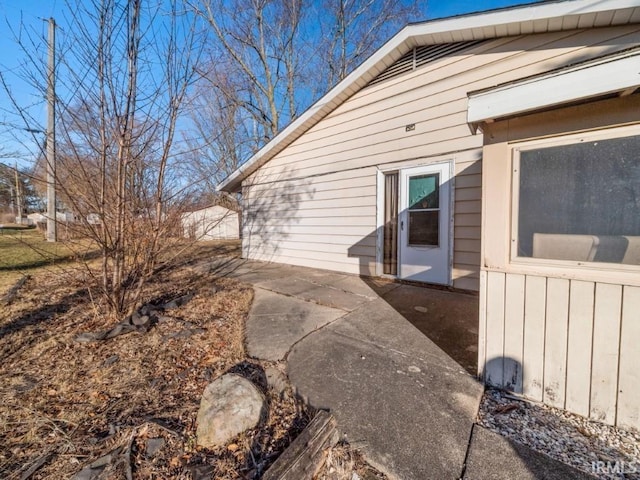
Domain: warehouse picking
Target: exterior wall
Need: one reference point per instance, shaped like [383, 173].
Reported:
[212, 223]
[564, 334]
[314, 203]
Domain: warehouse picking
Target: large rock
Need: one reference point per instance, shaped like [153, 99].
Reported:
[229, 406]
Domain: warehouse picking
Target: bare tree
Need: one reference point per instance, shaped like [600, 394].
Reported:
[125, 71]
[351, 30]
[221, 136]
[270, 59]
[257, 42]
[9, 194]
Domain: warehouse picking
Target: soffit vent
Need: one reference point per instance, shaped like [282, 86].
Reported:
[420, 56]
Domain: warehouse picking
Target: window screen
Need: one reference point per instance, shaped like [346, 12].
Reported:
[581, 202]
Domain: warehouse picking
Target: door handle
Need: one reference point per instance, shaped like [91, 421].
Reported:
[402, 225]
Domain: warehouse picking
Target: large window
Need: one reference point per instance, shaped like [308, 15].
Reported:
[579, 200]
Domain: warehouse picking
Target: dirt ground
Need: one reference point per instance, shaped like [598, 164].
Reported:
[131, 402]
[65, 404]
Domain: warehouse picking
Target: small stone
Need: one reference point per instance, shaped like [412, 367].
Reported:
[115, 331]
[178, 302]
[140, 320]
[414, 369]
[88, 337]
[202, 472]
[154, 445]
[104, 460]
[276, 379]
[88, 473]
[230, 405]
[420, 309]
[567, 437]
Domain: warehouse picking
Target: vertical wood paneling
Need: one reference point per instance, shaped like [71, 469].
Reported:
[574, 342]
[495, 328]
[534, 317]
[482, 324]
[513, 332]
[555, 351]
[581, 298]
[629, 380]
[606, 342]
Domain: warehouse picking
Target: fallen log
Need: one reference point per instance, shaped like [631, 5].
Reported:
[306, 454]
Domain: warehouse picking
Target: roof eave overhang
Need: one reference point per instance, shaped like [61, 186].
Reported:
[528, 19]
[619, 73]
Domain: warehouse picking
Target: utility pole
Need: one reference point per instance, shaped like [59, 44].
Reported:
[51, 136]
[18, 197]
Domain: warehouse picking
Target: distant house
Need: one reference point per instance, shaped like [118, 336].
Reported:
[495, 152]
[211, 223]
[34, 218]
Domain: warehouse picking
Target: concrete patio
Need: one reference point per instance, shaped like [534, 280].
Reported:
[392, 363]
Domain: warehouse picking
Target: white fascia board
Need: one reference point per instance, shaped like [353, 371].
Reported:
[477, 26]
[612, 74]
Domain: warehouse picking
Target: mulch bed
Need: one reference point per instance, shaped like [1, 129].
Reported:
[131, 401]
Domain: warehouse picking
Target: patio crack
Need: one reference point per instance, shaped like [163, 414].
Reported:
[308, 300]
[315, 330]
[466, 455]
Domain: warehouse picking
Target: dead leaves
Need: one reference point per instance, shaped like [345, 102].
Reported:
[93, 397]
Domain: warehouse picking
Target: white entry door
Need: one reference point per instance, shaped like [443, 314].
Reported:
[425, 222]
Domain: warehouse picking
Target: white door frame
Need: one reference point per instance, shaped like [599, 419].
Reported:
[380, 201]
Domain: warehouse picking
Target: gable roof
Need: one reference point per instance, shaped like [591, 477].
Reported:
[527, 19]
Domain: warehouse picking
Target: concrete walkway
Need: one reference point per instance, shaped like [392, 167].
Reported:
[351, 347]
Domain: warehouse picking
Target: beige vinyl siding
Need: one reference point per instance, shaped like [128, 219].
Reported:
[326, 221]
[557, 341]
[435, 98]
[467, 222]
[315, 192]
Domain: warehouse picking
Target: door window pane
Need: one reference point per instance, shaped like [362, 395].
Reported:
[423, 211]
[424, 191]
[424, 228]
[581, 202]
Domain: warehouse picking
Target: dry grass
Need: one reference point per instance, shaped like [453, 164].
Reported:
[24, 251]
[65, 404]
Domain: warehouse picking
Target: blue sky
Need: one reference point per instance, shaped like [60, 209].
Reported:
[444, 8]
[33, 14]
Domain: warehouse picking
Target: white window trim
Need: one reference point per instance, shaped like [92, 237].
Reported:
[570, 268]
[380, 173]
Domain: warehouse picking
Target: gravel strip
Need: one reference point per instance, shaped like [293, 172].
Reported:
[601, 450]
